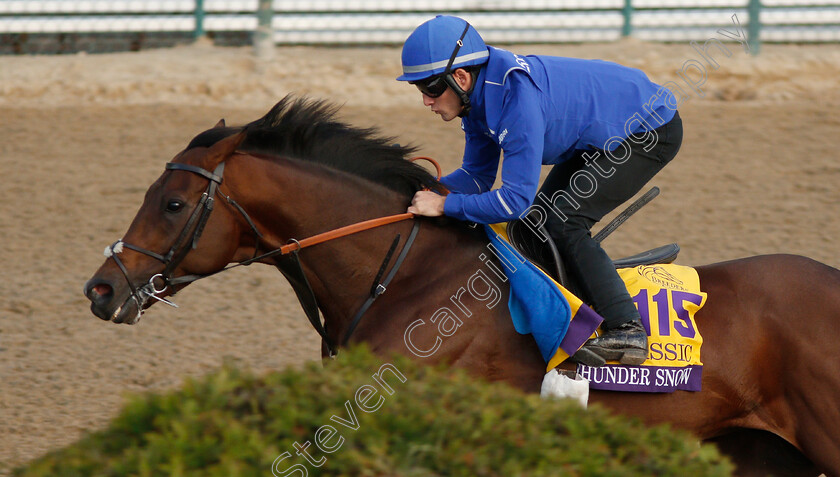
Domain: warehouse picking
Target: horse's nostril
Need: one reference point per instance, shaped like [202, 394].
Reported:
[102, 289]
[98, 291]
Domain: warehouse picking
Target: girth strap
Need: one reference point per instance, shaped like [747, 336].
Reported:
[292, 269]
[379, 288]
[384, 266]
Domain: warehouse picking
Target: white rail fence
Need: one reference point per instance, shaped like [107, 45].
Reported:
[390, 21]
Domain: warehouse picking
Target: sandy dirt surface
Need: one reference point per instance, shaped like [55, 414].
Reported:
[83, 136]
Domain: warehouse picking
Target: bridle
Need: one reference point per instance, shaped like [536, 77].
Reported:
[179, 249]
[195, 226]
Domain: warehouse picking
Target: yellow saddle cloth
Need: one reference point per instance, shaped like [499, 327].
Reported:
[667, 296]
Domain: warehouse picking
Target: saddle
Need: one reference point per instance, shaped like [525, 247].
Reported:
[543, 253]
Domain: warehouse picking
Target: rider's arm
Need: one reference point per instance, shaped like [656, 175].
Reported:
[478, 170]
[521, 133]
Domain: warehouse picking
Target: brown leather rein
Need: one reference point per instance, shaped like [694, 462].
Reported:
[351, 229]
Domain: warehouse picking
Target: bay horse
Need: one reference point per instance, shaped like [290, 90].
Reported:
[238, 195]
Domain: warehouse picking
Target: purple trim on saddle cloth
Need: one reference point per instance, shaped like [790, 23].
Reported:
[644, 379]
[583, 324]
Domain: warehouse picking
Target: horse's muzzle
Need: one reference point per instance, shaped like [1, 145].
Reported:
[103, 303]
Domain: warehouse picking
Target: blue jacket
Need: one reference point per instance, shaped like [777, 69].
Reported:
[541, 110]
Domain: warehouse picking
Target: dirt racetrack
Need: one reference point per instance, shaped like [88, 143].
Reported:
[83, 136]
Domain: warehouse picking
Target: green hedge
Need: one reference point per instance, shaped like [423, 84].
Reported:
[437, 422]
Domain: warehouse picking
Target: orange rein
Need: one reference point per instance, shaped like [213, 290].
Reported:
[354, 228]
[343, 232]
[429, 159]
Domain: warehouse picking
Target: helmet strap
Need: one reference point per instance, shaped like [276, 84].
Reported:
[463, 95]
[447, 75]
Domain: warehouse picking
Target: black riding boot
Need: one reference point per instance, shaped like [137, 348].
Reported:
[626, 343]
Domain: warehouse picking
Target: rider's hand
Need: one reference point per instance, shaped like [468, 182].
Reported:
[427, 203]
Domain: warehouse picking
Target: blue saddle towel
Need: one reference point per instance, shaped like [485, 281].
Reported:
[559, 321]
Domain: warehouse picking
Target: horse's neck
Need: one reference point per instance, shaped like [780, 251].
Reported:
[296, 200]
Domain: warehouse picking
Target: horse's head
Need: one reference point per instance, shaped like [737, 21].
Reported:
[156, 250]
[291, 169]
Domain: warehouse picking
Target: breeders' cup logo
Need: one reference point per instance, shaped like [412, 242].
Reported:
[657, 274]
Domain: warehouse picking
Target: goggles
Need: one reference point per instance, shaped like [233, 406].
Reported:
[435, 86]
[432, 87]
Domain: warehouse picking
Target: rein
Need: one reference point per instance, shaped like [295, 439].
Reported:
[197, 221]
[351, 229]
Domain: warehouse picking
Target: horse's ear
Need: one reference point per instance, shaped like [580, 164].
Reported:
[223, 149]
[220, 124]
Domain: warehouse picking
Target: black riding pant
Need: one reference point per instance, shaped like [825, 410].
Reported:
[581, 191]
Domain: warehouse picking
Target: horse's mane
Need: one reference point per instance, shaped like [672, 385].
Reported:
[306, 129]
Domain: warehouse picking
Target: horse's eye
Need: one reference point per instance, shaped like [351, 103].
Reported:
[174, 205]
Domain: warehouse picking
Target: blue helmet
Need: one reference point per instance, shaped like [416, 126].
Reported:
[428, 50]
